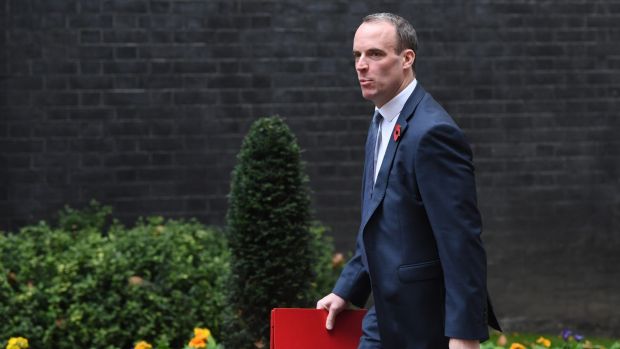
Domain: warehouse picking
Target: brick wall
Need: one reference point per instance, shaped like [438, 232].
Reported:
[143, 105]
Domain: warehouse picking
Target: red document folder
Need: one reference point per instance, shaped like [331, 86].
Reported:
[294, 328]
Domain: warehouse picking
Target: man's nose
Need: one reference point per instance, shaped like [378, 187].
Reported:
[361, 64]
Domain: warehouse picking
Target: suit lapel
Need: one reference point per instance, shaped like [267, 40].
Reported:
[371, 202]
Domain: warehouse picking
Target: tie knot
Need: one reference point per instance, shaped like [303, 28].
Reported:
[377, 118]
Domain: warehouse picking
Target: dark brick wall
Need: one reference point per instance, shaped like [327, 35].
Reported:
[143, 105]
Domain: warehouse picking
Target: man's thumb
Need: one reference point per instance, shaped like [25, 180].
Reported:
[331, 319]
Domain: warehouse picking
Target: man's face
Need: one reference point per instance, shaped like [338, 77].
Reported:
[381, 71]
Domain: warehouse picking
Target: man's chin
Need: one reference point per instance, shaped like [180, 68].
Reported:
[368, 95]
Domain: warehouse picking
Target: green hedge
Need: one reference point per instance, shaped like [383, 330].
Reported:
[76, 285]
[328, 263]
[78, 288]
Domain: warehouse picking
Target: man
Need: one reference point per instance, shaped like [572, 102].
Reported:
[418, 247]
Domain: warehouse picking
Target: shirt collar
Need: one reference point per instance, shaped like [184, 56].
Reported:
[391, 109]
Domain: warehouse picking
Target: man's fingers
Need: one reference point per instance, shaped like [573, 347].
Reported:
[334, 304]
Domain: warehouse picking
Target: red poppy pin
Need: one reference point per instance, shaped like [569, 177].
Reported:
[396, 132]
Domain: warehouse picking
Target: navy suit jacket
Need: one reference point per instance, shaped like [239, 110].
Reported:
[418, 247]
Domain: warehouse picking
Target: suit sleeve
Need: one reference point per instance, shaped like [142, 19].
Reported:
[445, 176]
[353, 284]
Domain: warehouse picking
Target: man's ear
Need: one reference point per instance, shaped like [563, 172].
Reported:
[408, 58]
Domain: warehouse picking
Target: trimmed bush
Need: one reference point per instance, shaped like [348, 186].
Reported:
[79, 288]
[268, 233]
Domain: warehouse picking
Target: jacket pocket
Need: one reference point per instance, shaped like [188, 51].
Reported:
[420, 271]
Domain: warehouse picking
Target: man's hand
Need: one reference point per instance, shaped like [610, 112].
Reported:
[456, 343]
[334, 304]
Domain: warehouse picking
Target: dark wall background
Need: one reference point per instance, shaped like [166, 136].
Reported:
[143, 105]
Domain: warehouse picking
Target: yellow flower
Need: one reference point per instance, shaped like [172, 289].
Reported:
[517, 346]
[202, 333]
[17, 343]
[544, 341]
[143, 345]
[197, 343]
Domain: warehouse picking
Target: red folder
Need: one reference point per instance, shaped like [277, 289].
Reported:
[294, 328]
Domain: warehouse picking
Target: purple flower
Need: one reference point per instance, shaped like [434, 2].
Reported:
[566, 334]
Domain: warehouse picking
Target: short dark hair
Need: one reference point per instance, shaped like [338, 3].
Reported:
[406, 37]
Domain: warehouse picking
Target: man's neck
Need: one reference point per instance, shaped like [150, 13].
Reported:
[406, 81]
[392, 108]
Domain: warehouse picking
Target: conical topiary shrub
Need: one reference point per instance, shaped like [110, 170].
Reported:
[268, 231]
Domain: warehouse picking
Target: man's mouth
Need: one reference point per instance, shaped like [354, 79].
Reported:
[365, 82]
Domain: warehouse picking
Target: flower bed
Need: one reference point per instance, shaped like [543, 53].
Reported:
[202, 339]
[567, 339]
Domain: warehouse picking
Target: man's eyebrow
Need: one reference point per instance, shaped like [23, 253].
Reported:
[372, 49]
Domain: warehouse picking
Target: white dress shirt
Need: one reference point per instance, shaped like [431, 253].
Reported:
[390, 112]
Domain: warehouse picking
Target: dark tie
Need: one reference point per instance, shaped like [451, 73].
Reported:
[374, 141]
[376, 122]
